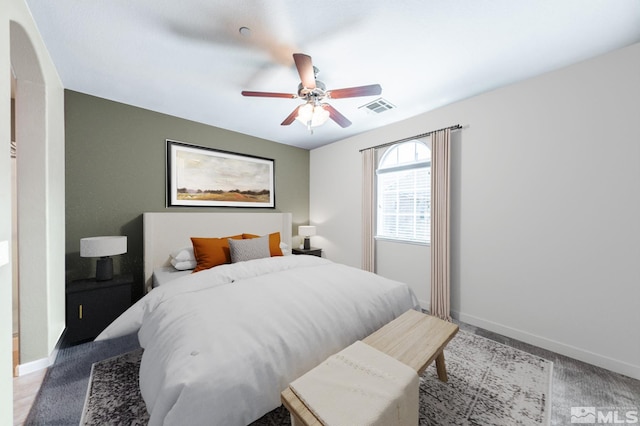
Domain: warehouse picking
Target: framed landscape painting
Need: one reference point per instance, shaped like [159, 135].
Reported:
[206, 177]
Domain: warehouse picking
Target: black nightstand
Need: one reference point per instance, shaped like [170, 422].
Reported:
[92, 305]
[312, 251]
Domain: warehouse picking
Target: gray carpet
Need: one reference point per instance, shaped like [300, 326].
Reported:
[61, 397]
[489, 384]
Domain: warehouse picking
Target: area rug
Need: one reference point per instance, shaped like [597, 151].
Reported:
[489, 384]
[113, 394]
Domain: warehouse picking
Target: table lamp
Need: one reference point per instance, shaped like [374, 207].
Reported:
[103, 247]
[306, 232]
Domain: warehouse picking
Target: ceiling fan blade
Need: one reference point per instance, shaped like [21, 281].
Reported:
[291, 118]
[305, 69]
[336, 116]
[352, 92]
[269, 94]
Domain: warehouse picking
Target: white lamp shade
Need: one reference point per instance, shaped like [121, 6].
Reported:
[312, 115]
[306, 231]
[102, 246]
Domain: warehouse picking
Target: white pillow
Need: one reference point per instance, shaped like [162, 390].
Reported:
[285, 249]
[183, 254]
[249, 249]
[183, 265]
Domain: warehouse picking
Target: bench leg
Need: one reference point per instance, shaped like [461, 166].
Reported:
[441, 368]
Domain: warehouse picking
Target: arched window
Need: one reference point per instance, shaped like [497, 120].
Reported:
[404, 193]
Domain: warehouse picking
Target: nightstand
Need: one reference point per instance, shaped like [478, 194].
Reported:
[312, 251]
[92, 305]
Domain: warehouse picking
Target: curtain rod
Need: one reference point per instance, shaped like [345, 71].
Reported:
[422, 135]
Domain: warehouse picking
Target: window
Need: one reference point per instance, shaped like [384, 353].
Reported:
[404, 193]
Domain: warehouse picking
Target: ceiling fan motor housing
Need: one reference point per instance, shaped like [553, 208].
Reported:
[317, 92]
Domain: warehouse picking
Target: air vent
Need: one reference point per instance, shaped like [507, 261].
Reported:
[378, 106]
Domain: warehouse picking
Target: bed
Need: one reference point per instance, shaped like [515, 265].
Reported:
[221, 344]
[165, 232]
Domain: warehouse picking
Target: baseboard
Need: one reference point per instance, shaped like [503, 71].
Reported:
[39, 364]
[589, 357]
[33, 366]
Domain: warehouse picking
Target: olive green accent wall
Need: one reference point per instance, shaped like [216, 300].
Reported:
[116, 170]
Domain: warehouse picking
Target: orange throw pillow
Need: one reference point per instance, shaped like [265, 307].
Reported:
[274, 242]
[210, 252]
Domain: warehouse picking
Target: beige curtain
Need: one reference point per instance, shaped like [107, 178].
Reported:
[440, 181]
[368, 209]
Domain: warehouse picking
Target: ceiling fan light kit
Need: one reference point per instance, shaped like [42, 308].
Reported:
[312, 115]
[314, 112]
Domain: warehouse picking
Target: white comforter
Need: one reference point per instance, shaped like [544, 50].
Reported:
[220, 345]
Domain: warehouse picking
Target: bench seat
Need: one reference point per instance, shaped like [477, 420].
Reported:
[414, 338]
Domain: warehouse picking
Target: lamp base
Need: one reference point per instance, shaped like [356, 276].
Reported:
[104, 269]
[307, 243]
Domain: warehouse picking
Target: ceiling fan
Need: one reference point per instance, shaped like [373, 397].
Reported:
[315, 111]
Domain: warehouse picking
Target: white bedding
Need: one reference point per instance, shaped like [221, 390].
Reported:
[221, 344]
[164, 274]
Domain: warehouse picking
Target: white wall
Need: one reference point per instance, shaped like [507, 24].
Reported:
[546, 199]
[38, 83]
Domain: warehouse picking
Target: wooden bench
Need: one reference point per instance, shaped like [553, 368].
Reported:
[413, 338]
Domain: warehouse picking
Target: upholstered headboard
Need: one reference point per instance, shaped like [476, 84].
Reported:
[168, 231]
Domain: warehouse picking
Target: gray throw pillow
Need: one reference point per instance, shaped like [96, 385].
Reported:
[254, 248]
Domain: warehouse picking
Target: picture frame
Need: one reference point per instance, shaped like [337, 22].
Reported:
[199, 176]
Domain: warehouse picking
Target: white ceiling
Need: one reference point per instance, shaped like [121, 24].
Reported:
[188, 59]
